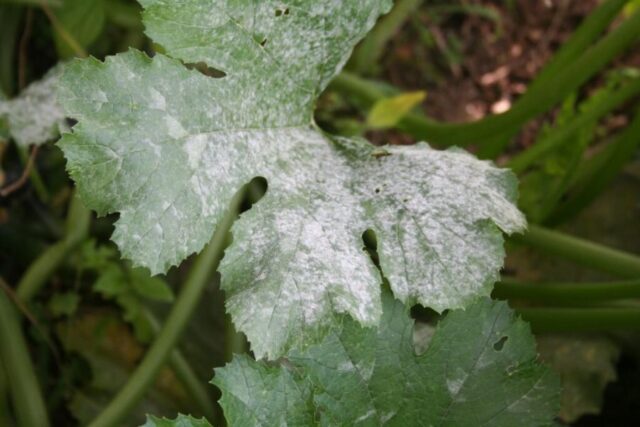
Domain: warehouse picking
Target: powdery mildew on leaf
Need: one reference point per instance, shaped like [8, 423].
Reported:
[167, 148]
[480, 369]
[35, 117]
[179, 421]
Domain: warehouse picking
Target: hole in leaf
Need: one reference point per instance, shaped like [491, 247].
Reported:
[255, 190]
[371, 245]
[499, 345]
[282, 12]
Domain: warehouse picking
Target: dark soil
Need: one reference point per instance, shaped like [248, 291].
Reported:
[479, 65]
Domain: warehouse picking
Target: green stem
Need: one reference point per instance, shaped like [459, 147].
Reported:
[10, 20]
[581, 251]
[533, 103]
[205, 264]
[599, 172]
[34, 175]
[522, 161]
[5, 414]
[559, 293]
[580, 40]
[581, 319]
[77, 229]
[366, 55]
[25, 390]
[187, 377]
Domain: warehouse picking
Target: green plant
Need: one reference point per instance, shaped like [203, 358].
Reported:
[168, 166]
[323, 242]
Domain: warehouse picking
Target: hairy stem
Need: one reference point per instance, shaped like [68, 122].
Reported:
[580, 251]
[143, 377]
[25, 390]
[559, 293]
[77, 229]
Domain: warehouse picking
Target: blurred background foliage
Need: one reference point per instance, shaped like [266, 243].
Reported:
[547, 87]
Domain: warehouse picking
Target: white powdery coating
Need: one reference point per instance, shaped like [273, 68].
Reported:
[304, 238]
[434, 213]
[35, 116]
[294, 47]
[167, 148]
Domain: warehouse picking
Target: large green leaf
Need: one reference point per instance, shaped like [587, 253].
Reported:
[480, 369]
[35, 117]
[179, 421]
[167, 148]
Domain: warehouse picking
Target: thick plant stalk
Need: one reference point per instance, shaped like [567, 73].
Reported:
[77, 229]
[27, 399]
[143, 377]
[186, 376]
[533, 103]
[566, 293]
[580, 251]
[581, 319]
[580, 40]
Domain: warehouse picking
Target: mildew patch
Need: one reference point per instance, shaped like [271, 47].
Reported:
[186, 143]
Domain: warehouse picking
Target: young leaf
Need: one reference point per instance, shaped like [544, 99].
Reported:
[64, 303]
[167, 148]
[129, 288]
[388, 112]
[35, 116]
[480, 369]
